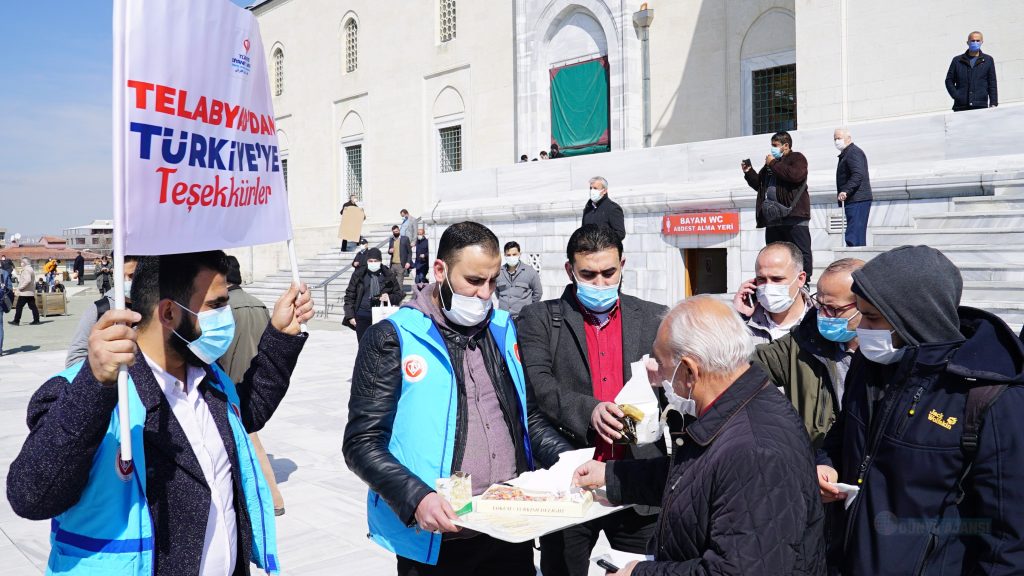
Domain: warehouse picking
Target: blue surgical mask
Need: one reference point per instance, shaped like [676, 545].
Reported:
[974, 46]
[776, 152]
[836, 329]
[597, 298]
[218, 330]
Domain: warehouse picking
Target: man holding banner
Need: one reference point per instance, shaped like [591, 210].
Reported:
[193, 500]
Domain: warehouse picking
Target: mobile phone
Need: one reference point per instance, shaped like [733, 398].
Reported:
[750, 300]
[601, 562]
[747, 163]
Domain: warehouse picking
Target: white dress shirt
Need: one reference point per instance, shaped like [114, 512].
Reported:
[220, 547]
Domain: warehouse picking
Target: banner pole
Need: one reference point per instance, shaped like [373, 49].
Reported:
[295, 273]
[120, 31]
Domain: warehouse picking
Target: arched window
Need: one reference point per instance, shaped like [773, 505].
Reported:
[278, 72]
[446, 14]
[351, 45]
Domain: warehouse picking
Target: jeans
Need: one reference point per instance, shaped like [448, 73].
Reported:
[857, 223]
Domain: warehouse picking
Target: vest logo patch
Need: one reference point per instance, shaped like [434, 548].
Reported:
[515, 348]
[124, 469]
[234, 408]
[940, 419]
[414, 367]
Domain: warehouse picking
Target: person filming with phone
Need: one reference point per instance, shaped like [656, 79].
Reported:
[783, 206]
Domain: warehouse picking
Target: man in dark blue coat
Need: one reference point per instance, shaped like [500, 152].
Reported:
[934, 497]
[971, 80]
[853, 185]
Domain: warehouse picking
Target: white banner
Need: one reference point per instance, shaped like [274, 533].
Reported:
[202, 169]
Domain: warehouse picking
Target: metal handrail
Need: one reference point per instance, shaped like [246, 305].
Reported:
[336, 275]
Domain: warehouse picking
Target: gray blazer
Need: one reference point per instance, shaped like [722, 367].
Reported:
[518, 291]
[564, 390]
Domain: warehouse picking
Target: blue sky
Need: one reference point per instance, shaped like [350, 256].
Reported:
[55, 149]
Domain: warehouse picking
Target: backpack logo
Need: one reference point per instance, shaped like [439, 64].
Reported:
[940, 419]
[414, 367]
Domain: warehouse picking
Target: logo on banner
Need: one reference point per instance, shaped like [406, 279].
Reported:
[415, 368]
[240, 62]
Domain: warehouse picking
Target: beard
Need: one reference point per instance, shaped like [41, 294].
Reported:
[190, 333]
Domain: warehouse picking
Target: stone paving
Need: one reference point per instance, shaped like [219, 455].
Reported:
[324, 529]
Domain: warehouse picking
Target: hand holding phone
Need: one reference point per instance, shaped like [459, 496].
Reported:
[745, 164]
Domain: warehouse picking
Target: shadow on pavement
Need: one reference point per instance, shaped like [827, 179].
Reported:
[283, 468]
[23, 348]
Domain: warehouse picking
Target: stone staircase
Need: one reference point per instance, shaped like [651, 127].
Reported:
[982, 235]
[319, 268]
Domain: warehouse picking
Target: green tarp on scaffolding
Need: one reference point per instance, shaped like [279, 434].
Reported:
[579, 107]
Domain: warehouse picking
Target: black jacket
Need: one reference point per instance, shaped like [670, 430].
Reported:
[376, 388]
[422, 255]
[605, 213]
[972, 87]
[67, 422]
[852, 175]
[564, 389]
[898, 437]
[790, 177]
[354, 293]
[404, 251]
[740, 496]
[79, 265]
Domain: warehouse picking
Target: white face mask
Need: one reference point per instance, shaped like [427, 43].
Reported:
[373, 266]
[775, 298]
[682, 405]
[840, 144]
[595, 195]
[465, 310]
[419, 236]
[876, 345]
[512, 260]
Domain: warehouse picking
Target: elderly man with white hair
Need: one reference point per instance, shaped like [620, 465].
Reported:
[26, 292]
[853, 187]
[600, 209]
[733, 494]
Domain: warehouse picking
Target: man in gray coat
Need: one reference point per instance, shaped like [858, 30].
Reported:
[78, 350]
[518, 283]
[251, 320]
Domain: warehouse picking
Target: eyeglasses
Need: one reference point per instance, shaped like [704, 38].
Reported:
[832, 311]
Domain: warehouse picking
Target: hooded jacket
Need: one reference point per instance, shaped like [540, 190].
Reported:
[898, 436]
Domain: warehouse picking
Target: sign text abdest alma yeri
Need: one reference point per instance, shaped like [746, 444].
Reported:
[701, 223]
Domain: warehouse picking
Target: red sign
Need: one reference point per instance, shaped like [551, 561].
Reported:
[701, 223]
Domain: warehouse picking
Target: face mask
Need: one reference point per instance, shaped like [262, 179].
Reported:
[419, 236]
[775, 298]
[362, 247]
[595, 195]
[836, 329]
[396, 234]
[373, 266]
[840, 144]
[597, 298]
[877, 346]
[974, 46]
[682, 405]
[465, 310]
[512, 260]
[776, 152]
[217, 331]
[128, 288]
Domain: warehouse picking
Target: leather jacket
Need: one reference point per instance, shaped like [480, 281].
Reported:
[376, 386]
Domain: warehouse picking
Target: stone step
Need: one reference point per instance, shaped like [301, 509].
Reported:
[987, 203]
[993, 291]
[996, 256]
[977, 219]
[943, 237]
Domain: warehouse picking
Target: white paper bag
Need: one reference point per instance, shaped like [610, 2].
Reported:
[382, 312]
[639, 393]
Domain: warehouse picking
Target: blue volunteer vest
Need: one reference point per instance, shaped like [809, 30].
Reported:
[110, 531]
[423, 434]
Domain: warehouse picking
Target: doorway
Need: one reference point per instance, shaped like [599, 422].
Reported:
[706, 271]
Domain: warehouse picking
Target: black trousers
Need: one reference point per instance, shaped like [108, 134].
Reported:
[477, 556]
[567, 553]
[22, 301]
[363, 324]
[799, 235]
[81, 277]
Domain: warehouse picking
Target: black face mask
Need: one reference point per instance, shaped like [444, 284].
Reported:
[188, 332]
[397, 234]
